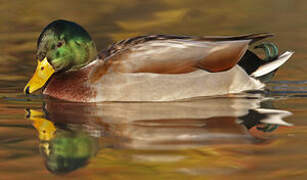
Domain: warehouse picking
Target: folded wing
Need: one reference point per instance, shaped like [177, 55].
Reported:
[179, 55]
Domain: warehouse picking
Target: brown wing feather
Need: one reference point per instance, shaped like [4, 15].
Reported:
[175, 55]
[225, 58]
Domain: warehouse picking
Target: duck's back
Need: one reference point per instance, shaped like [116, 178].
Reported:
[164, 54]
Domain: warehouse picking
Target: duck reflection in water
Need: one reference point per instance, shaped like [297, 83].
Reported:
[63, 148]
[72, 133]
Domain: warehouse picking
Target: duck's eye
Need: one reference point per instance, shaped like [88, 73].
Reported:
[42, 68]
[59, 44]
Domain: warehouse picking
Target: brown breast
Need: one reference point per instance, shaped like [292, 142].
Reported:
[71, 86]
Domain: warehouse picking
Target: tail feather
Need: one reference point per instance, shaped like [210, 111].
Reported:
[272, 66]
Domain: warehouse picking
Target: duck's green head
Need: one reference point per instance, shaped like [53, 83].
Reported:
[62, 46]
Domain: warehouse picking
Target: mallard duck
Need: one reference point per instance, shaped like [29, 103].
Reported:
[147, 68]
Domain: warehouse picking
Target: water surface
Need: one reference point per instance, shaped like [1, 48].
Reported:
[258, 135]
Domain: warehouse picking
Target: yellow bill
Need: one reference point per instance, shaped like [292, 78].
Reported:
[42, 73]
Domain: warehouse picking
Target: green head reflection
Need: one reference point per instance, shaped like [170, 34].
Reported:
[68, 150]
